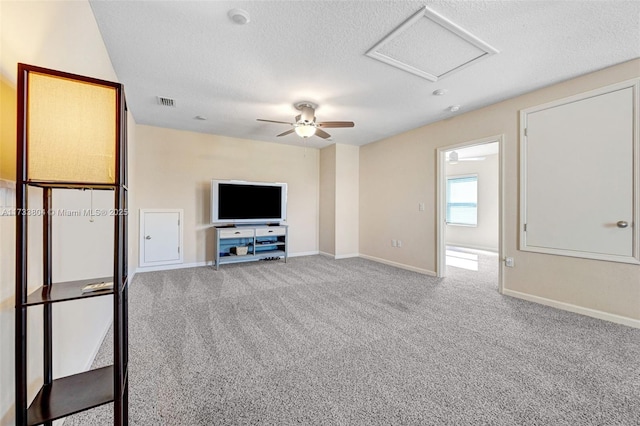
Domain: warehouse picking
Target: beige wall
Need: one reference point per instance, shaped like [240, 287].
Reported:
[132, 199]
[328, 200]
[395, 176]
[63, 36]
[339, 204]
[398, 172]
[485, 235]
[174, 170]
[346, 202]
[7, 129]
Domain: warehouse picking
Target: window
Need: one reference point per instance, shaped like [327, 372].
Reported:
[462, 200]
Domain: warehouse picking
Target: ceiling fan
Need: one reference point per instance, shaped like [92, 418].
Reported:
[453, 158]
[305, 123]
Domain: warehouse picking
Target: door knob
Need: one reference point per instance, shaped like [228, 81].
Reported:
[622, 224]
[148, 237]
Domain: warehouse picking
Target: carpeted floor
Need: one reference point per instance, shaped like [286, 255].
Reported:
[353, 342]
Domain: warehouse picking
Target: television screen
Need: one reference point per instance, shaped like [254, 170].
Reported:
[247, 202]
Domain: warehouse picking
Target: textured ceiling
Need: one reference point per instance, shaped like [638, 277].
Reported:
[292, 51]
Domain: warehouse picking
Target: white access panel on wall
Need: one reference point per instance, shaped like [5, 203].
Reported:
[579, 175]
[160, 237]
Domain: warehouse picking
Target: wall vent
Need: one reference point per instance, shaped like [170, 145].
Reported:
[167, 102]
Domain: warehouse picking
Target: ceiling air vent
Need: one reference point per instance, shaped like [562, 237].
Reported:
[430, 46]
[167, 102]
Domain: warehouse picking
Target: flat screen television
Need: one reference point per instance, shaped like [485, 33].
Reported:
[234, 201]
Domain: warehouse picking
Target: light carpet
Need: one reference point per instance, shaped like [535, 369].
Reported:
[353, 342]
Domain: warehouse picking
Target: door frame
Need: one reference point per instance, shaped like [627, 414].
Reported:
[144, 264]
[441, 203]
[633, 84]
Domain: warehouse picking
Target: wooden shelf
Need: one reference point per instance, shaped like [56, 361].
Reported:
[261, 254]
[232, 258]
[67, 395]
[62, 292]
[72, 394]
[72, 185]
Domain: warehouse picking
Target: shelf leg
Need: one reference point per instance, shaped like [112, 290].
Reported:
[21, 366]
[21, 279]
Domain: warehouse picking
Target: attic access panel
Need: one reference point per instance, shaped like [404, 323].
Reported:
[430, 46]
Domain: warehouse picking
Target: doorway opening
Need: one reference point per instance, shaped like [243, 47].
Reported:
[470, 207]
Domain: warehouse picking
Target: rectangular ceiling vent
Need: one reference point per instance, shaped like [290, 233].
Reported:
[167, 102]
[430, 46]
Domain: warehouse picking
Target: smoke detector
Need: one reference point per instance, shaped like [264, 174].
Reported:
[239, 16]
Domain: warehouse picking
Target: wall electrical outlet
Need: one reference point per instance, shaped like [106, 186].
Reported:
[394, 243]
[420, 207]
[508, 261]
[399, 243]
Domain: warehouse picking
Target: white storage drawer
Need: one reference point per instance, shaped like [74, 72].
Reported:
[236, 233]
[271, 230]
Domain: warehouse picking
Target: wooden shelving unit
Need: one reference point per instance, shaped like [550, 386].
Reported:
[262, 242]
[79, 392]
[63, 292]
[53, 401]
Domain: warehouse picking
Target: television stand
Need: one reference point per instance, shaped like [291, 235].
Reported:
[260, 241]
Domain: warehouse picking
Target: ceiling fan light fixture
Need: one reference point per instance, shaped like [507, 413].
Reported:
[305, 124]
[305, 130]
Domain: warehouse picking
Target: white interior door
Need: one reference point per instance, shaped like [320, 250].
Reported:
[579, 177]
[160, 237]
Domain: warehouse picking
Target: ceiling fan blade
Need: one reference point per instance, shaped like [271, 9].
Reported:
[322, 133]
[286, 133]
[272, 121]
[336, 124]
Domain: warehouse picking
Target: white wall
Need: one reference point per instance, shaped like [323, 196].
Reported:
[174, 169]
[485, 235]
[399, 172]
[62, 36]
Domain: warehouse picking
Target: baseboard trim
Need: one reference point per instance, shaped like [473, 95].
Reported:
[304, 253]
[618, 319]
[339, 256]
[399, 265]
[172, 266]
[346, 256]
